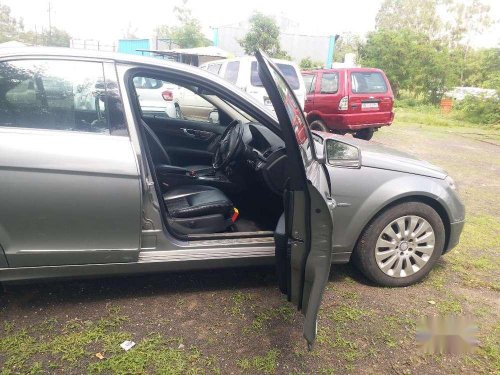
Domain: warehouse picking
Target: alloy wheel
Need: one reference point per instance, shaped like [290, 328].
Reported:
[405, 246]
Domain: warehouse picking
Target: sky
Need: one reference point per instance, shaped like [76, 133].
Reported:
[106, 20]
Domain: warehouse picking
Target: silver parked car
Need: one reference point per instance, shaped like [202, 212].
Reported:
[114, 189]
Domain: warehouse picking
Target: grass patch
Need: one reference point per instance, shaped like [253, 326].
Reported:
[266, 364]
[477, 253]
[431, 115]
[349, 350]
[284, 312]
[77, 341]
[152, 354]
[490, 349]
[238, 300]
[344, 314]
[449, 307]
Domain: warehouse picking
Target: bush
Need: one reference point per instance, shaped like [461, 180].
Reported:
[479, 110]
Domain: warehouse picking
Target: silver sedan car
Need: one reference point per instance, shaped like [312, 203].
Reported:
[115, 188]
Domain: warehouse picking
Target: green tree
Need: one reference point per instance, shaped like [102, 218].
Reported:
[264, 34]
[347, 43]
[308, 64]
[10, 27]
[13, 29]
[420, 16]
[55, 38]
[411, 61]
[470, 18]
[188, 34]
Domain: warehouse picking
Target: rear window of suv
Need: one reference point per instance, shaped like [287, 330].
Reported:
[368, 83]
[287, 70]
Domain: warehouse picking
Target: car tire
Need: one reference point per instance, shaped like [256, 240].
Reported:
[319, 125]
[369, 254]
[365, 134]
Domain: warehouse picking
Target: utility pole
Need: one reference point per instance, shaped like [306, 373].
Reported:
[50, 25]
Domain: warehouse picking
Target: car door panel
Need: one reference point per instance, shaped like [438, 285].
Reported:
[187, 142]
[68, 198]
[304, 241]
[327, 103]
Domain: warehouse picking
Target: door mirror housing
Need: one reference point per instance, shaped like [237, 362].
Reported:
[341, 154]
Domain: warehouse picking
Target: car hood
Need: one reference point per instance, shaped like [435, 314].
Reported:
[376, 155]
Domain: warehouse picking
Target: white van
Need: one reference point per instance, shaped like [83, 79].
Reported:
[242, 71]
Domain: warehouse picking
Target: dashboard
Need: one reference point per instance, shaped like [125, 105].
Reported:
[265, 154]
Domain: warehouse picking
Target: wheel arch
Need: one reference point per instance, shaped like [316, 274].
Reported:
[431, 201]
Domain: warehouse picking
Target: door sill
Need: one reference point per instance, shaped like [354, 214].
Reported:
[229, 235]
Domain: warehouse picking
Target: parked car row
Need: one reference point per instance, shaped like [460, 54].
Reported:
[343, 100]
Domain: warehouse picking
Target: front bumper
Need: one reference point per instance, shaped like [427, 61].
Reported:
[455, 232]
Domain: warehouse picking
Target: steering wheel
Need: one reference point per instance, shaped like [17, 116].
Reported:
[229, 145]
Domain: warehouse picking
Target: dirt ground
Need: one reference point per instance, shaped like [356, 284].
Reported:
[236, 321]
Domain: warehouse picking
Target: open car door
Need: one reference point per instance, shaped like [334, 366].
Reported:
[304, 232]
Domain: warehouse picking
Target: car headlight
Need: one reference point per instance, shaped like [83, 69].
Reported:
[451, 182]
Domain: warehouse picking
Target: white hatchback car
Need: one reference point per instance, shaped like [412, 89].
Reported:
[242, 72]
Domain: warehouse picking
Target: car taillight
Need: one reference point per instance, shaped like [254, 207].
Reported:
[168, 96]
[344, 103]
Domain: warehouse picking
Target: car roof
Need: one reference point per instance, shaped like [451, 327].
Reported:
[248, 58]
[88, 54]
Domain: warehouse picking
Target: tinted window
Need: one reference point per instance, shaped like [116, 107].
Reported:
[309, 82]
[214, 68]
[287, 70]
[367, 83]
[329, 83]
[231, 73]
[59, 95]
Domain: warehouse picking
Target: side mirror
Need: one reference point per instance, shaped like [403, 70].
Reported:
[213, 116]
[340, 154]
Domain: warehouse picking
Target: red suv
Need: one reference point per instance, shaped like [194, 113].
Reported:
[348, 100]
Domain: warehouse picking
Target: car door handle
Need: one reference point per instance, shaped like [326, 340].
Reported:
[198, 134]
[189, 132]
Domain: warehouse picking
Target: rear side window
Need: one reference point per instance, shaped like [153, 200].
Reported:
[329, 83]
[61, 95]
[231, 73]
[368, 83]
[214, 68]
[309, 81]
[287, 70]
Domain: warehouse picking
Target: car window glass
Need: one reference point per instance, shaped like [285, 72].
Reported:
[56, 95]
[147, 83]
[214, 68]
[309, 80]
[368, 83]
[231, 73]
[297, 119]
[329, 83]
[287, 70]
[169, 100]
